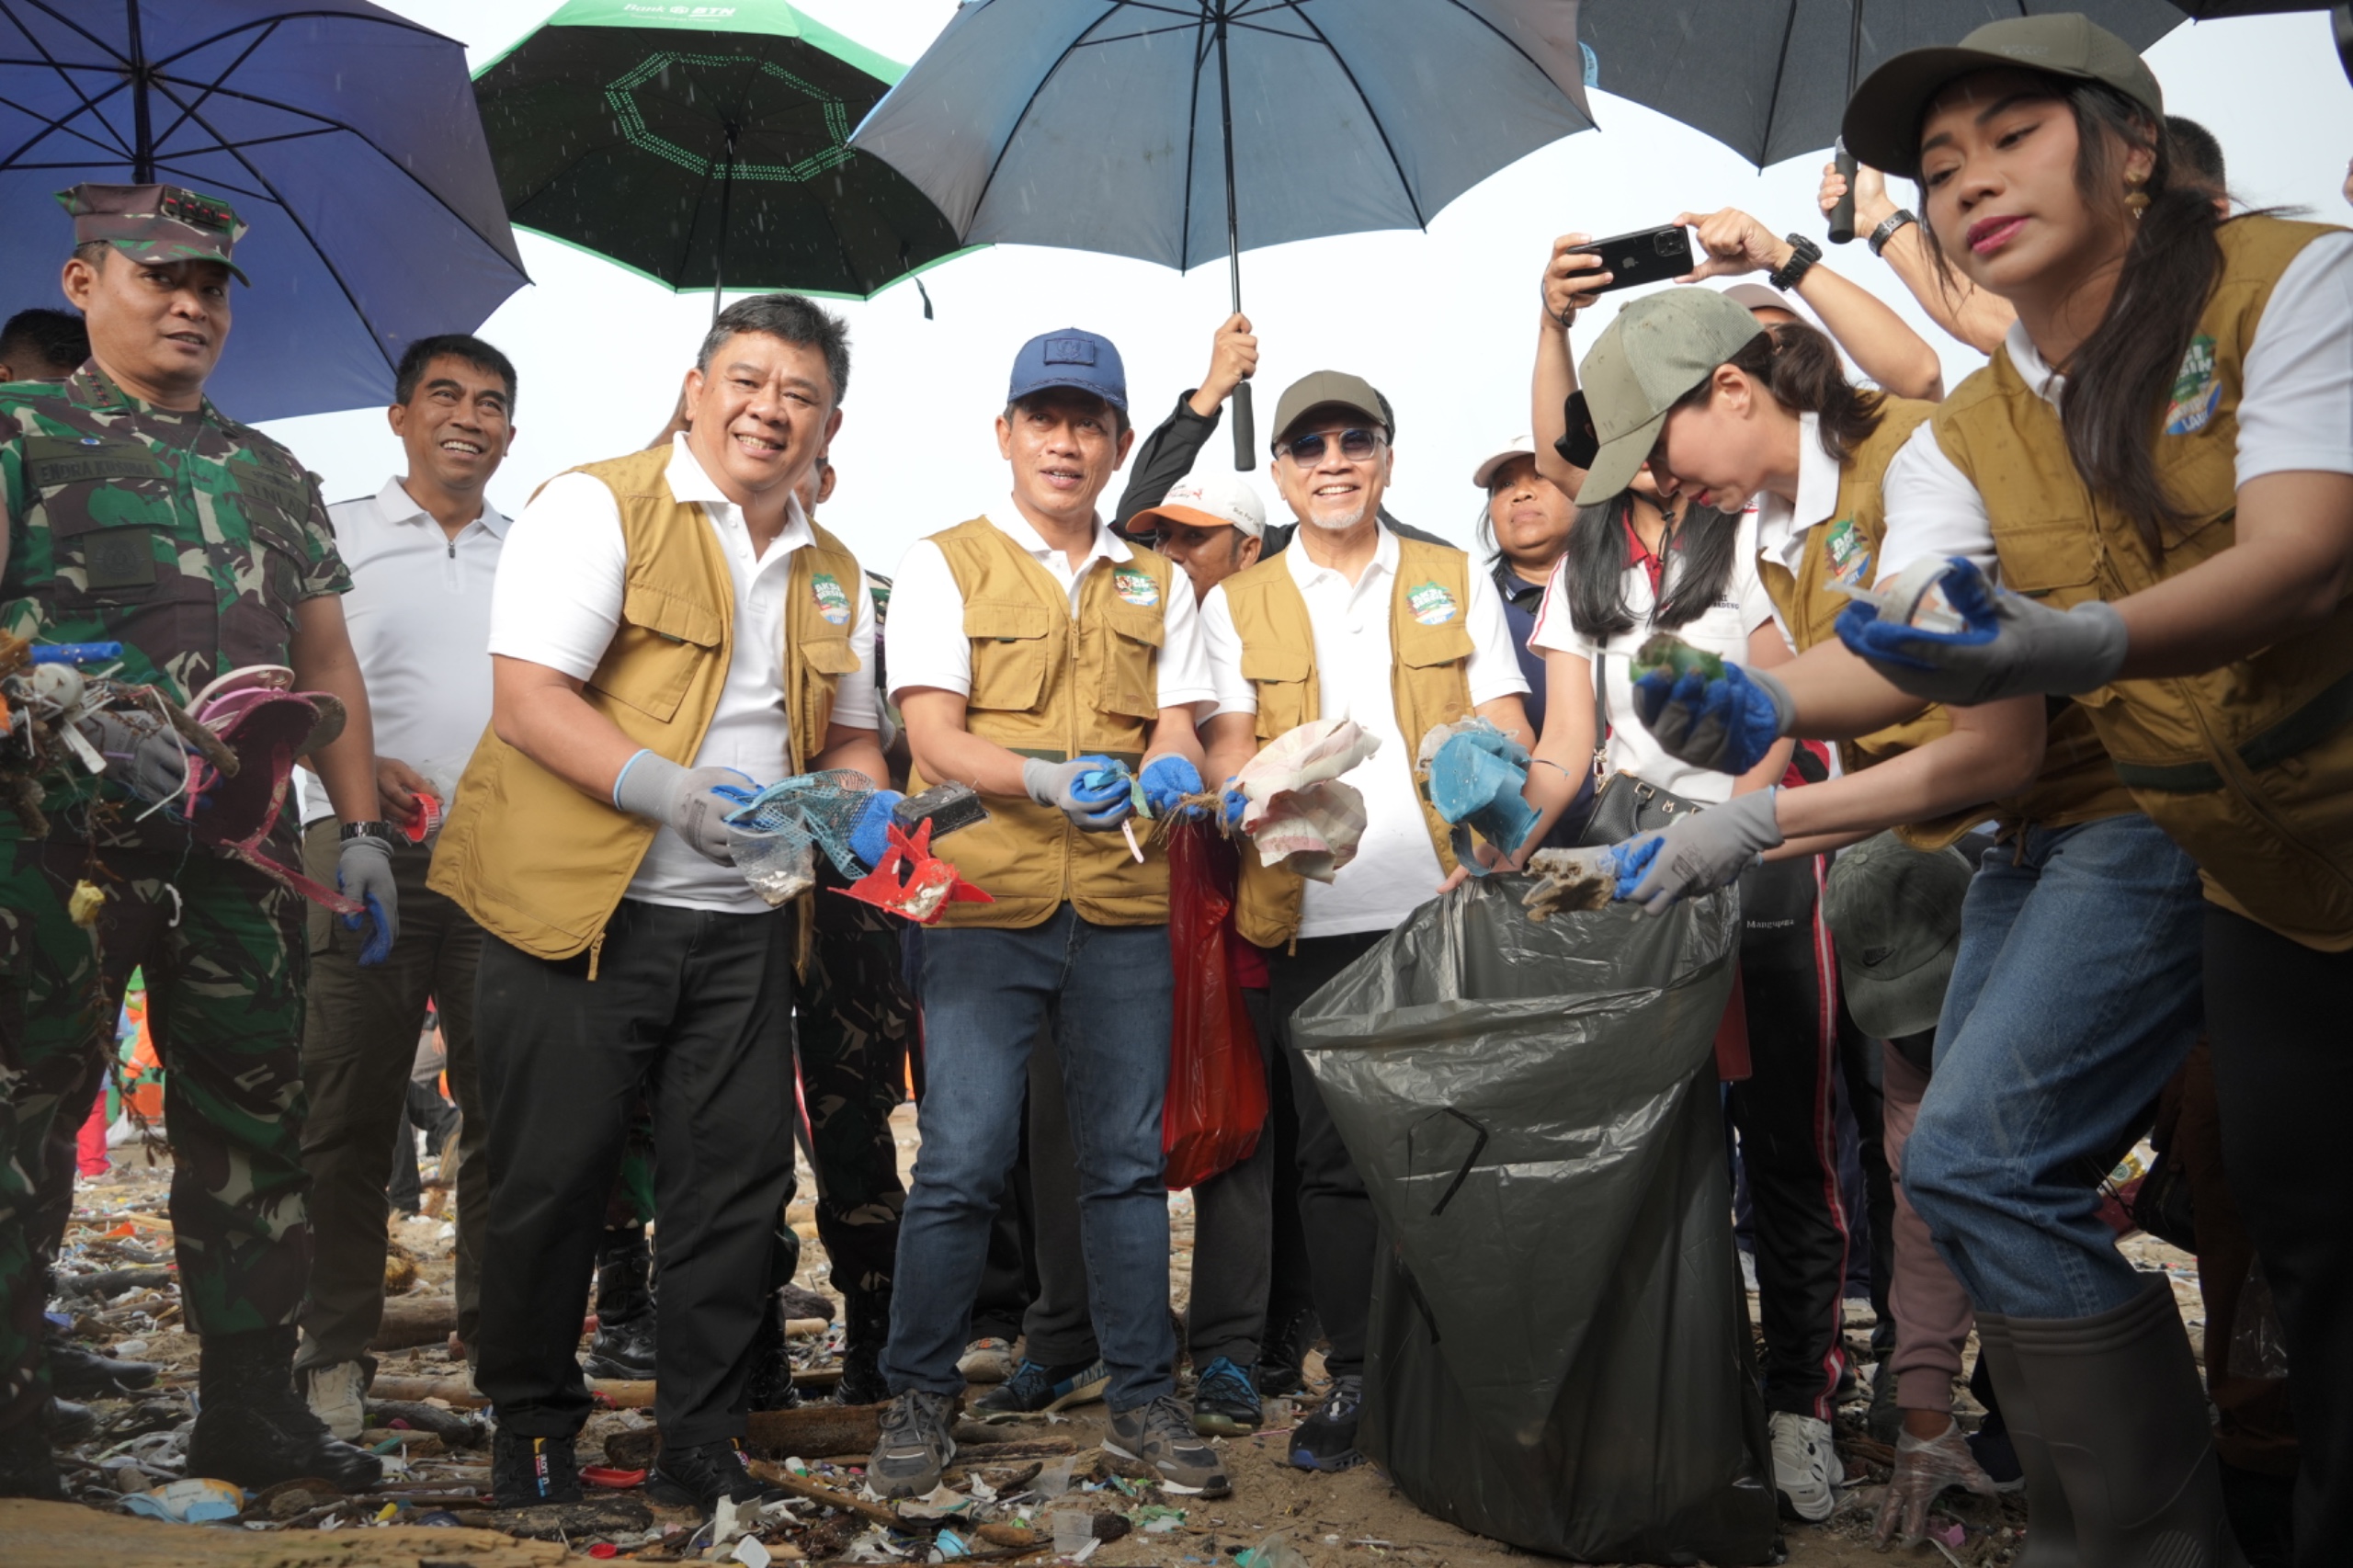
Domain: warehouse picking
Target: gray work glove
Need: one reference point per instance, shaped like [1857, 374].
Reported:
[149, 761]
[363, 869]
[1710, 850]
[1056, 784]
[2011, 646]
[654, 786]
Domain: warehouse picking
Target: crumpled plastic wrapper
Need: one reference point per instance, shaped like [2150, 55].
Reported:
[1299, 815]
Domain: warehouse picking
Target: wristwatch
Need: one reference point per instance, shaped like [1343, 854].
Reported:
[381, 830]
[1886, 230]
[1804, 254]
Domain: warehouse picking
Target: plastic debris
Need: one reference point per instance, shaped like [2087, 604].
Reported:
[610, 1478]
[1275, 1551]
[1672, 653]
[1073, 1532]
[192, 1502]
[1915, 598]
[752, 1552]
[948, 807]
[1299, 813]
[927, 885]
[1475, 775]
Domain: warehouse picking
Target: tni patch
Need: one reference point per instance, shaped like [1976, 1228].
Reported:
[118, 558]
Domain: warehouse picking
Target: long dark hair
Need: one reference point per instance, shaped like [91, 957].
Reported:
[2121, 375]
[1799, 365]
[1698, 563]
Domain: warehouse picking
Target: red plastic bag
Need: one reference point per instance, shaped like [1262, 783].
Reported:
[1217, 1080]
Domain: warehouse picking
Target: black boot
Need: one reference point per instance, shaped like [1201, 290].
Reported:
[2122, 1414]
[528, 1472]
[79, 1372]
[623, 1346]
[1282, 1355]
[2050, 1521]
[769, 1386]
[26, 1469]
[68, 1423]
[865, 1328]
[253, 1429]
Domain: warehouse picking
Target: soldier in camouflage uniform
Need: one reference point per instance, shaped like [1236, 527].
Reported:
[137, 512]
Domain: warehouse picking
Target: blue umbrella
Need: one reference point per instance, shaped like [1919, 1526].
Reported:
[1169, 129]
[346, 136]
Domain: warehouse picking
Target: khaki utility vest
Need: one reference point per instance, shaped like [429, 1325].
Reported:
[2077, 783]
[542, 865]
[1048, 685]
[2249, 768]
[1429, 681]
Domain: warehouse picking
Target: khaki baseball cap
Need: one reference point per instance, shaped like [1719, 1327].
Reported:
[1657, 349]
[1221, 501]
[1328, 388]
[1894, 915]
[1761, 297]
[1882, 123]
[157, 223]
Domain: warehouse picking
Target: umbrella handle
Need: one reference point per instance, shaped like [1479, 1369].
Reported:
[1842, 216]
[1245, 430]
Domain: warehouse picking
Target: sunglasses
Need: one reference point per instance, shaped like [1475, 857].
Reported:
[1354, 445]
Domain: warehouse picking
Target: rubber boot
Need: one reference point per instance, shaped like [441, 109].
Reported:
[2123, 1415]
[253, 1429]
[2050, 1522]
[623, 1345]
[865, 1328]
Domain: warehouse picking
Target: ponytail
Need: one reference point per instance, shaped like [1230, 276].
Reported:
[1799, 365]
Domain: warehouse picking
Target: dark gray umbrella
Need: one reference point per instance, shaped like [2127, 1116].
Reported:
[1177, 130]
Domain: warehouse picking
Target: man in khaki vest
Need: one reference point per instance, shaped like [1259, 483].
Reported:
[1401, 636]
[1029, 649]
[663, 624]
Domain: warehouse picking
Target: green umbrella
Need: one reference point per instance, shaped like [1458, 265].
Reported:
[705, 145]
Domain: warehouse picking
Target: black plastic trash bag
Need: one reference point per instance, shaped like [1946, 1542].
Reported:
[1558, 1355]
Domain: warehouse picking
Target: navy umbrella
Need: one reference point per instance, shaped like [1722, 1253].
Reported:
[1175, 131]
[344, 135]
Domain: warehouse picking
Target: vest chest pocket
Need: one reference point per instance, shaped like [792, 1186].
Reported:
[662, 640]
[1011, 645]
[1281, 677]
[1131, 649]
[827, 659]
[109, 508]
[1424, 646]
[2054, 558]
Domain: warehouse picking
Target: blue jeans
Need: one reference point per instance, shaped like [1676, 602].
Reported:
[2073, 997]
[1106, 990]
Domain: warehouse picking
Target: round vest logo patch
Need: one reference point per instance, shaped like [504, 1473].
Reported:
[1431, 605]
[833, 601]
[1135, 586]
[2196, 390]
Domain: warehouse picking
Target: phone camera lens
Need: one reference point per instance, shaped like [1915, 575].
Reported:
[1670, 243]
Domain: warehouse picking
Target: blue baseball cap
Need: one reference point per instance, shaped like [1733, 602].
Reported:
[1071, 357]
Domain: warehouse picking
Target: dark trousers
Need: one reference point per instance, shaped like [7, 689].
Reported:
[360, 1036]
[423, 1111]
[1342, 1233]
[1058, 1328]
[696, 1009]
[1789, 1141]
[2278, 1015]
[1233, 1237]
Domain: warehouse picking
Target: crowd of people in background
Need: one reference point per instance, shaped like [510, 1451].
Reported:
[2012, 897]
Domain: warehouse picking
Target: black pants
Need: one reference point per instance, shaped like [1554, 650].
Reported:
[2281, 1017]
[1788, 1143]
[695, 1008]
[1059, 1327]
[1342, 1233]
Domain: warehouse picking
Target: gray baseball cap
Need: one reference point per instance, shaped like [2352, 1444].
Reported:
[1882, 123]
[1657, 349]
[1894, 915]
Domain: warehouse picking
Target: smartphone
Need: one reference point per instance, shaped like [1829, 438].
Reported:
[1646, 255]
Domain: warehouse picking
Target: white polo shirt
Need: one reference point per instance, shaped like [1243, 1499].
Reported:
[1395, 869]
[559, 602]
[419, 614]
[1782, 526]
[928, 647]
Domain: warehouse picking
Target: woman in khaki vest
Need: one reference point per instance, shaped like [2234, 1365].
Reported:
[2159, 464]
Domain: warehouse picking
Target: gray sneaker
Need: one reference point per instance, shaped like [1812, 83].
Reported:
[916, 1444]
[1160, 1435]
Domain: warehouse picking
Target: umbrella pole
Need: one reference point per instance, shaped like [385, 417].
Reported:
[726, 192]
[143, 157]
[1245, 436]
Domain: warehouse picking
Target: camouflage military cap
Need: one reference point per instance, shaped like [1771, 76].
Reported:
[157, 223]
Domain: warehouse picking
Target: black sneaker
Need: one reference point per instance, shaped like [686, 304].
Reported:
[528, 1472]
[1282, 1355]
[1327, 1440]
[702, 1475]
[1159, 1437]
[76, 1371]
[1033, 1388]
[915, 1445]
[1225, 1404]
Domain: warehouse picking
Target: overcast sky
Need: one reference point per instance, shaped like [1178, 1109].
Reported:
[1443, 321]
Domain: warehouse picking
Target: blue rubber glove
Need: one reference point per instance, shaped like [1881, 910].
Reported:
[2014, 647]
[1703, 851]
[870, 837]
[1166, 781]
[1632, 860]
[364, 871]
[1097, 807]
[1232, 804]
[1725, 725]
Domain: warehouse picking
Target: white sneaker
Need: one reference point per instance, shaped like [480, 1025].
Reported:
[339, 1396]
[988, 1360]
[1806, 1468]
